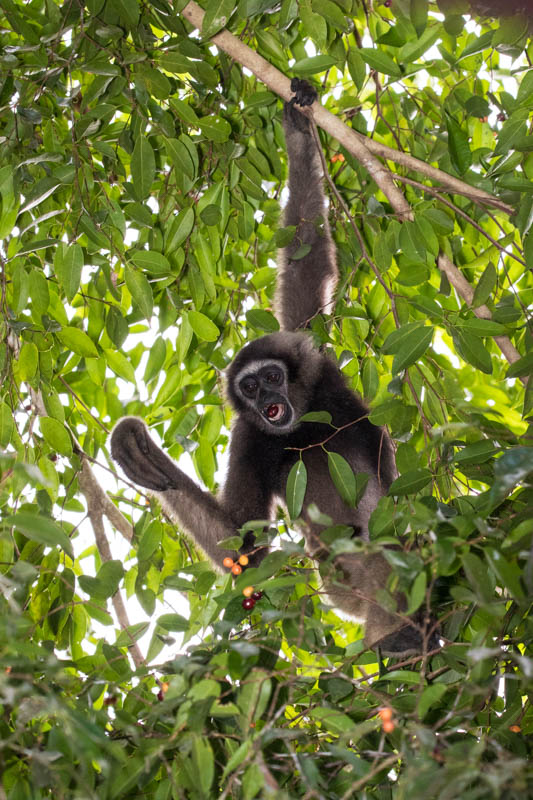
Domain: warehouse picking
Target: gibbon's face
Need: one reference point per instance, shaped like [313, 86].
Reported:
[263, 387]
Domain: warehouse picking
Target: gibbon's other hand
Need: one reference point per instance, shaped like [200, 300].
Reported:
[140, 458]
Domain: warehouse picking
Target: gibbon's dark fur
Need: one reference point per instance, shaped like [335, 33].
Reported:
[271, 383]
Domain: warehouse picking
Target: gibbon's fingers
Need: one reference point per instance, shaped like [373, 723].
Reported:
[140, 458]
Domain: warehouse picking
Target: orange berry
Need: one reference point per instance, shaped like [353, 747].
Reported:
[248, 591]
[243, 560]
[228, 562]
[164, 687]
[236, 569]
[385, 714]
[388, 726]
[515, 728]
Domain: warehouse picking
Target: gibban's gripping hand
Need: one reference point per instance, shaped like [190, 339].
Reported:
[304, 93]
[141, 459]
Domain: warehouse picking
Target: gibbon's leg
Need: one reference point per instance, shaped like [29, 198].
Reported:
[200, 514]
[305, 286]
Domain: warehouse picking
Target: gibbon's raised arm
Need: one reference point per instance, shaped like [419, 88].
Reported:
[305, 286]
[197, 512]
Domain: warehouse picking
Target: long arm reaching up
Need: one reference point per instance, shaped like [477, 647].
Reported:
[307, 266]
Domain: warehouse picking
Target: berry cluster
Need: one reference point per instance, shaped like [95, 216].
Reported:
[236, 568]
[250, 597]
[387, 722]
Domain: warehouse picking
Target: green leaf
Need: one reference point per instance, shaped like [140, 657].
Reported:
[418, 12]
[380, 61]
[151, 261]
[142, 167]
[356, 67]
[77, 340]
[430, 697]
[215, 128]
[410, 482]
[458, 146]
[343, 477]
[180, 229]
[211, 215]
[28, 361]
[132, 634]
[472, 349]
[175, 623]
[412, 347]
[476, 572]
[40, 529]
[312, 65]
[120, 365]
[509, 470]
[203, 759]
[477, 453]
[140, 290]
[68, 264]
[332, 720]
[56, 435]
[106, 582]
[237, 758]
[7, 425]
[296, 487]
[262, 320]
[156, 359]
[417, 595]
[203, 327]
[370, 379]
[331, 13]
[522, 367]
[485, 285]
[508, 574]
[315, 26]
[481, 327]
[128, 11]
[254, 694]
[217, 13]
[181, 158]
[317, 416]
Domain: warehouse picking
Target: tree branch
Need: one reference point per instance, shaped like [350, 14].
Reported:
[463, 288]
[361, 147]
[99, 504]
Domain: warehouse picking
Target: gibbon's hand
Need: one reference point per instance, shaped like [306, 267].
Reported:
[141, 459]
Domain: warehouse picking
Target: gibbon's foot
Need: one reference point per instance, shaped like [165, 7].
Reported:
[407, 641]
[304, 95]
[140, 458]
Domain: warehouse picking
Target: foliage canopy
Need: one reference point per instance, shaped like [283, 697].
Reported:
[140, 187]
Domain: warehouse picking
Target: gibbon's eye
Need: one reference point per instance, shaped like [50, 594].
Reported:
[274, 377]
[249, 387]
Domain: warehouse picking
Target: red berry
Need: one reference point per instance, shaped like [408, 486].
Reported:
[501, 117]
[160, 696]
[248, 603]
[387, 3]
[257, 596]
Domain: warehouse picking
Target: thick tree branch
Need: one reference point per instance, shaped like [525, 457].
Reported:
[361, 147]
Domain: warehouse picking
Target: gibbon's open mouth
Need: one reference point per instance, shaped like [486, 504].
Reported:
[275, 412]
